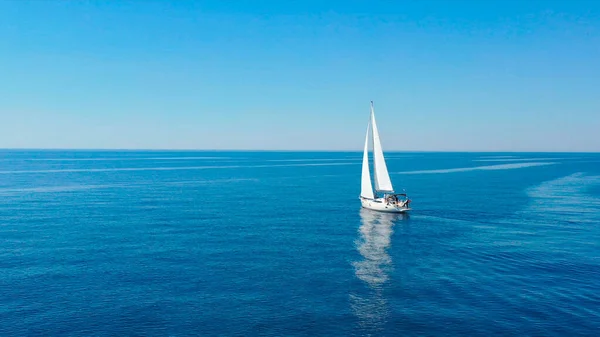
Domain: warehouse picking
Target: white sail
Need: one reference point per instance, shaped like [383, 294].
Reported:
[382, 177]
[366, 189]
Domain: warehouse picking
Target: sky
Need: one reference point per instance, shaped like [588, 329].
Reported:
[299, 75]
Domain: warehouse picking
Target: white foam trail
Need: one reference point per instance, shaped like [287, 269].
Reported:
[498, 157]
[515, 159]
[332, 159]
[51, 189]
[313, 159]
[208, 182]
[172, 168]
[479, 168]
[566, 196]
[73, 188]
[563, 216]
[444, 219]
[126, 158]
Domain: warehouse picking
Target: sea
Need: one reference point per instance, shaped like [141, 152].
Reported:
[209, 243]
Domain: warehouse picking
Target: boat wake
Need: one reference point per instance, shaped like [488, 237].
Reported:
[83, 187]
[171, 168]
[566, 197]
[479, 168]
[515, 159]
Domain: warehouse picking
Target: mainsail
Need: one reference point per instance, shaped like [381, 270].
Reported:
[382, 177]
[366, 189]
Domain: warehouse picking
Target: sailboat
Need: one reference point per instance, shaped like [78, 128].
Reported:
[382, 197]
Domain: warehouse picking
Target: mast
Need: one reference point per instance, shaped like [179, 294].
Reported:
[381, 175]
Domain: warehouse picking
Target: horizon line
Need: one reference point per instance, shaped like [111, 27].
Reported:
[282, 150]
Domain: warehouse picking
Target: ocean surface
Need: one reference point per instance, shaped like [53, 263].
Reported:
[160, 243]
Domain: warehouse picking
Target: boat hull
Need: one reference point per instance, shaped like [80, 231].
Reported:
[381, 206]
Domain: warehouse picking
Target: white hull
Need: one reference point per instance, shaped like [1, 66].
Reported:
[381, 206]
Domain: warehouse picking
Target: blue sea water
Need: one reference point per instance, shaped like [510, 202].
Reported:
[160, 243]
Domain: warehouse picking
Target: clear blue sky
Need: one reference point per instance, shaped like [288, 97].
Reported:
[445, 75]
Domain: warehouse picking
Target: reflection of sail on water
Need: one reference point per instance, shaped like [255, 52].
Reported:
[375, 238]
[376, 232]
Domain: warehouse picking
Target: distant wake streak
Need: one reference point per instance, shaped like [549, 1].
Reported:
[479, 168]
[498, 157]
[75, 188]
[189, 158]
[173, 168]
[126, 158]
[566, 196]
[515, 159]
